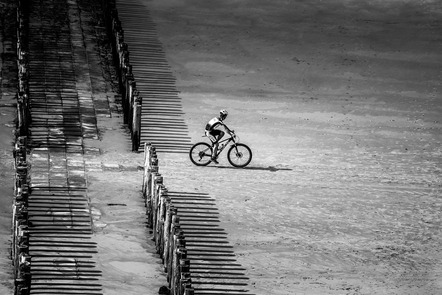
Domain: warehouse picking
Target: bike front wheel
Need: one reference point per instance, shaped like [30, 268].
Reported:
[201, 154]
[239, 155]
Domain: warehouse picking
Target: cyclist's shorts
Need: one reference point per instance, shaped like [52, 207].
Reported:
[213, 135]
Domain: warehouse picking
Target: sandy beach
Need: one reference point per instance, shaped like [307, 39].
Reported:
[340, 102]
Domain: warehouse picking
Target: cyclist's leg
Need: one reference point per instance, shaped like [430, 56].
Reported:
[218, 134]
[214, 140]
[221, 134]
[211, 137]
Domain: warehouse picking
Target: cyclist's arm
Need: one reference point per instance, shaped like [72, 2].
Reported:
[227, 128]
[221, 125]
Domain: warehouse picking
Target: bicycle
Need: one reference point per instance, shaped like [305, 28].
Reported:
[239, 154]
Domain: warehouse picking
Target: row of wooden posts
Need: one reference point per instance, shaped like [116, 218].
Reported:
[20, 235]
[165, 223]
[23, 112]
[161, 214]
[130, 96]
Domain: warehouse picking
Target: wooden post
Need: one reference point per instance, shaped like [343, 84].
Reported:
[23, 279]
[172, 245]
[184, 268]
[158, 181]
[172, 222]
[121, 46]
[22, 195]
[130, 104]
[19, 151]
[180, 252]
[151, 167]
[173, 267]
[23, 114]
[185, 282]
[161, 217]
[147, 157]
[153, 170]
[122, 74]
[151, 188]
[26, 113]
[136, 121]
[21, 174]
[22, 239]
[130, 84]
[170, 211]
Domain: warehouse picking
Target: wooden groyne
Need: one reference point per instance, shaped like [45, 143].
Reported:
[195, 251]
[52, 249]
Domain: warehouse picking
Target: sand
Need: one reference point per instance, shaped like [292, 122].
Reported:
[340, 102]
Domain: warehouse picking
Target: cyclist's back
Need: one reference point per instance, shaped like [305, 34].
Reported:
[214, 124]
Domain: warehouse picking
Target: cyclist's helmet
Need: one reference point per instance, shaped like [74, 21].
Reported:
[223, 114]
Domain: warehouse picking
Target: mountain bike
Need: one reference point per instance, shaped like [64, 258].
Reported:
[239, 154]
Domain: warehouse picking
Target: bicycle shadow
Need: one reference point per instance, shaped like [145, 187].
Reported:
[269, 168]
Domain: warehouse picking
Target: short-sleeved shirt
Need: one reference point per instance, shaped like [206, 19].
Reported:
[214, 124]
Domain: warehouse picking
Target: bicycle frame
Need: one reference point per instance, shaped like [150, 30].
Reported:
[222, 145]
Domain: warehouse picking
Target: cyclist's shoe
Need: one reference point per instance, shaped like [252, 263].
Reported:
[214, 160]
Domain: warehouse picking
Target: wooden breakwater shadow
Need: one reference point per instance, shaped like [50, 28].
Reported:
[147, 85]
[213, 264]
[59, 226]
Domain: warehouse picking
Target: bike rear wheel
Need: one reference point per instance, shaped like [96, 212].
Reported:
[239, 155]
[201, 154]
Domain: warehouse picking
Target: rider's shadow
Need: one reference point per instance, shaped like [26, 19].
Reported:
[269, 168]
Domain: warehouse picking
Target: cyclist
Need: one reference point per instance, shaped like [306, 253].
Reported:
[214, 130]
